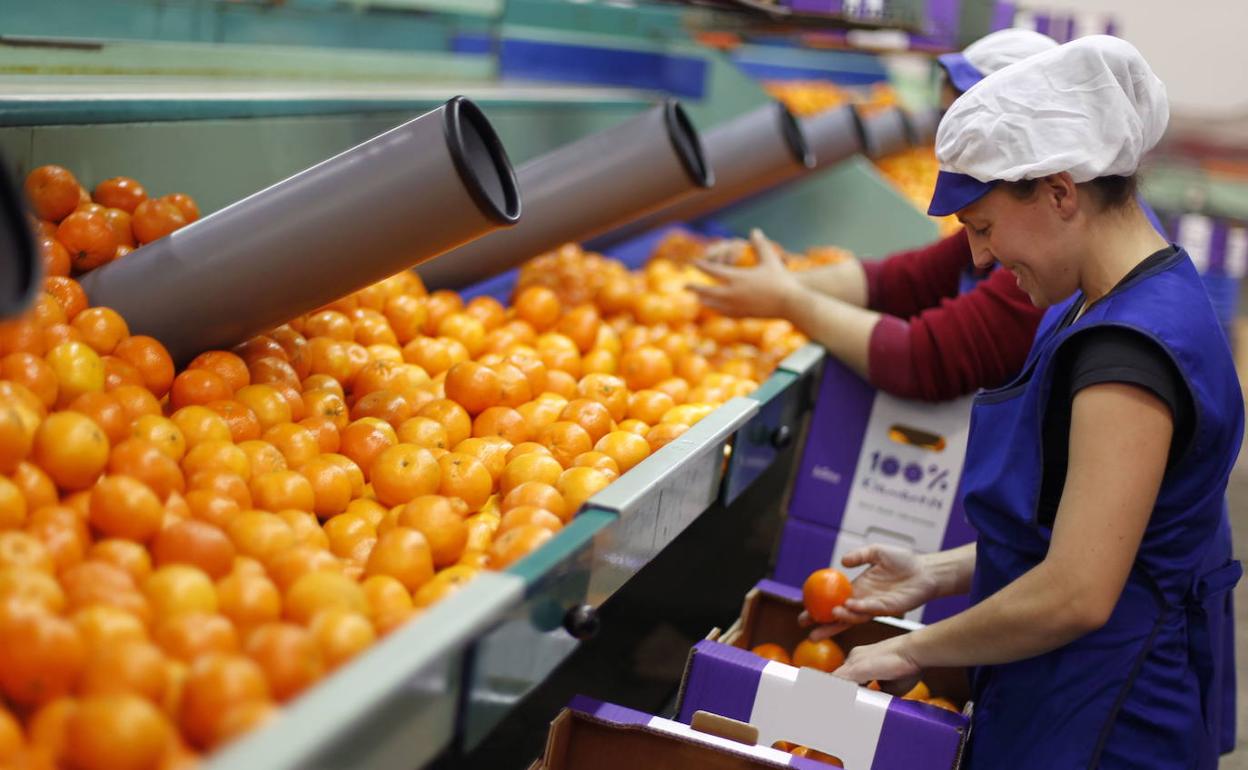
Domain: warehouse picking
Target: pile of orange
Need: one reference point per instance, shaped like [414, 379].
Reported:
[826, 655]
[811, 97]
[79, 231]
[914, 172]
[183, 551]
[682, 247]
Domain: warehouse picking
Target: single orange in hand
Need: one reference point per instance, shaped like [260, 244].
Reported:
[824, 655]
[824, 590]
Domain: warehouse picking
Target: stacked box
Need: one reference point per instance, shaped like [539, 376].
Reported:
[592, 735]
[863, 728]
[876, 469]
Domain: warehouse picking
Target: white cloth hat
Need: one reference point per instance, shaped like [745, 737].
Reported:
[991, 53]
[1091, 107]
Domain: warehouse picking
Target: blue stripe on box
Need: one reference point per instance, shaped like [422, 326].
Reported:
[918, 735]
[472, 43]
[534, 60]
[760, 71]
[722, 680]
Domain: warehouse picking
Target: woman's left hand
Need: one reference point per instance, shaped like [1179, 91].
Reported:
[889, 662]
[765, 291]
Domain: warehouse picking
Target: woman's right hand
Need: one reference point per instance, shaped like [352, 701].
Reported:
[897, 581]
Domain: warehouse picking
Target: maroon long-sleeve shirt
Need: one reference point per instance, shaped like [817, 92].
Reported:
[934, 344]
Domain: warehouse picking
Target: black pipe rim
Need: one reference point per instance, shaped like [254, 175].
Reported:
[860, 129]
[687, 143]
[468, 135]
[795, 137]
[24, 257]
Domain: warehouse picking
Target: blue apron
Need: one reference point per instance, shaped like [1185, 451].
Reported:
[1150, 688]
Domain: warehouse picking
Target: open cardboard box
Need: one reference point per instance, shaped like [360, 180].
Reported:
[592, 735]
[867, 730]
[769, 614]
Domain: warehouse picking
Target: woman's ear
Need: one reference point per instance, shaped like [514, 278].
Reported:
[1061, 192]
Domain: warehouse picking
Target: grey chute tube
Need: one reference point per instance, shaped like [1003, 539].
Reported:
[405, 196]
[749, 154]
[886, 132]
[585, 188]
[21, 272]
[835, 135]
[923, 126]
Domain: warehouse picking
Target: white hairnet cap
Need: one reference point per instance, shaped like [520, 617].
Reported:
[991, 53]
[1091, 107]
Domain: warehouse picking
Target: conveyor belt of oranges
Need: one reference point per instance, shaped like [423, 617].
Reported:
[183, 551]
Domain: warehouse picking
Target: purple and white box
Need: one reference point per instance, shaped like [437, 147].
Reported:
[865, 729]
[876, 469]
[562, 751]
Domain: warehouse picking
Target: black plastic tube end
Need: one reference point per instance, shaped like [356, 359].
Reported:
[795, 137]
[481, 161]
[687, 144]
[21, 271]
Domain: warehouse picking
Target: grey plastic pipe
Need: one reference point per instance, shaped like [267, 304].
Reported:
[21, 272]
[923, 126]
[586, 188]
[886, 132]
[405, 196]
[749, 154]
[834, 135]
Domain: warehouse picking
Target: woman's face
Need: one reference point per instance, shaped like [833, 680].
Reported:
[1035, 238]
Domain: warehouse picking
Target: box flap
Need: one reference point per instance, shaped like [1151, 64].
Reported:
[721, 675]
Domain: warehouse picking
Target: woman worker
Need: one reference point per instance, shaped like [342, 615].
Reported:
[1095, 479]
[917, 324]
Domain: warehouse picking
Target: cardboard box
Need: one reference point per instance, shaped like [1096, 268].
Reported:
[865, 729]
[592, 735]
[769, 614]
[876, 469]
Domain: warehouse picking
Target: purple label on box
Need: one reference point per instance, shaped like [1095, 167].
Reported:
[1044, 23]
[837, 429]
[831, 7]
[787, 592]
[608, 712]
[942, 19]
[804, 548]
[1003, 16]
[914, 733]
[721, 679]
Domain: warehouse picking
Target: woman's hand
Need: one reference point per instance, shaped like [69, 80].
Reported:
[889, 662]
[897, 581]
[765, 291]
